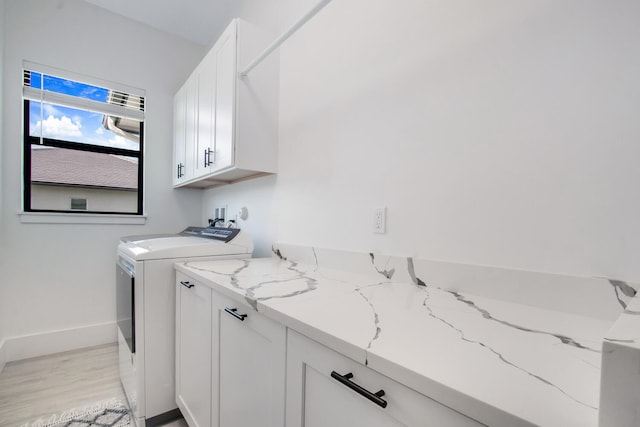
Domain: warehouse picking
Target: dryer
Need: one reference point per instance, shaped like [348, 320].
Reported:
[145, 291]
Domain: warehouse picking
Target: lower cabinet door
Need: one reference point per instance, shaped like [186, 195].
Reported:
[193, 351]
[249, 363]
[326, 389]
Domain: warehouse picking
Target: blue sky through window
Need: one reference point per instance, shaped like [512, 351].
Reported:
[71, 124]
[68, 87]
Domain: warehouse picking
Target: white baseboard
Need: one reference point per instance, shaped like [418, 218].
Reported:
[3, 357]
[27, 346]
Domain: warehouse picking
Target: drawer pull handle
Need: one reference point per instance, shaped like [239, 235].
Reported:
[374, 397]
[234, 313]
[187, 284]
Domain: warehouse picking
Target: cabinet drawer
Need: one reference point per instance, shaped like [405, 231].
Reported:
[325, 388]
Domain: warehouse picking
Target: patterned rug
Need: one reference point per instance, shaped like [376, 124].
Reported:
[110, 413]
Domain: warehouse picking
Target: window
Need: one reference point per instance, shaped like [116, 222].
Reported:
[79, 204]
[83, 149]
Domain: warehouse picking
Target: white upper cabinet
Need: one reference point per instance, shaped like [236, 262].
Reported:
[184, 132]
[225, 100]
[228, 131]
[206, 112]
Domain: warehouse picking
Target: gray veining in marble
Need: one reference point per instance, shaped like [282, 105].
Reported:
[412, 273]
[485, 314]
[233, 276]
[249, 292]
[376, 318]
[624, 288]
[386, 273]
[312, 285]
[278, 253]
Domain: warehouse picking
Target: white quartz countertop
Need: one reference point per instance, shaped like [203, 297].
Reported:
[502, 363]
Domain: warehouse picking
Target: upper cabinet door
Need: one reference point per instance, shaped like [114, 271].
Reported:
[206, 111]
[191, 121]
[226, 77]
[179, 143]
[184, 130]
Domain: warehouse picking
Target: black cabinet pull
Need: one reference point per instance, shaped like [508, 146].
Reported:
[207, 157]
[187, 284]
[234, 313]
[374, 397]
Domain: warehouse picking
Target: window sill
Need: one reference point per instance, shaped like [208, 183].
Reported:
[72, 218]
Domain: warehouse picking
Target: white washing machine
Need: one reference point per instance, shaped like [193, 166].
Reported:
[145, 280]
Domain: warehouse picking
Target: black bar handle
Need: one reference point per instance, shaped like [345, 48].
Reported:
[206, 157]
[374, 397]
[234, 313]
[187, 284]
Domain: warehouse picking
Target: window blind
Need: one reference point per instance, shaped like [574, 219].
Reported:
[118, 103]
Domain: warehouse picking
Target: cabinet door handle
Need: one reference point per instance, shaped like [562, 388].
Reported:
[207, 157]
[234, 313]
[346, 380]
[187, 284]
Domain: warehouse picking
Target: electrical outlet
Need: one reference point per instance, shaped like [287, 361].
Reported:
[380, 220]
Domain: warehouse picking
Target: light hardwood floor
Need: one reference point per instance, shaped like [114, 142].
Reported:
[47, 385]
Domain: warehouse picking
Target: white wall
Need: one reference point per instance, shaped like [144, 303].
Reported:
[2, 297]
[61, 277]
[2, 27]
[497, 133]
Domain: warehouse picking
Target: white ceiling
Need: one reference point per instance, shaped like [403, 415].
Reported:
[199, 21]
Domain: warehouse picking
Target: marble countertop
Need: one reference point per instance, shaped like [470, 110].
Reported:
[500, 362]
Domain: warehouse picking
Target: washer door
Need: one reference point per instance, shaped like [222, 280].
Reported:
[125, 303]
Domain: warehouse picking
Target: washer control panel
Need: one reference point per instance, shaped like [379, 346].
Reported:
[216, 233]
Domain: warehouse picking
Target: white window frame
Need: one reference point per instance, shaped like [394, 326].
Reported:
[87, 217]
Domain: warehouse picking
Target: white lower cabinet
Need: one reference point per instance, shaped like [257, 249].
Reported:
[326, 389]
[230, 360]
[193, 351]
[249, 366]
[237, 368]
